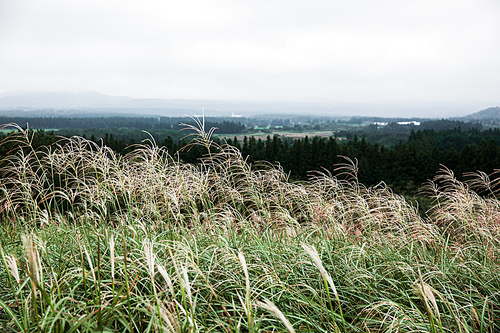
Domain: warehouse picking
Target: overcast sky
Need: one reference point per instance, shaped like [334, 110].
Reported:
[429, 51]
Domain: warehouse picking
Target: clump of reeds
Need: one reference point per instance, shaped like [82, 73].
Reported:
[466, 211]
[145, 242]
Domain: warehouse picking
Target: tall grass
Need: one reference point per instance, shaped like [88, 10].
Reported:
[92, 241]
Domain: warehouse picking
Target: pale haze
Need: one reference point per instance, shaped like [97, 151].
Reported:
[431, 53]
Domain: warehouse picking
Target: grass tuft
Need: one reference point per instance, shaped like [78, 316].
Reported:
[85, 232]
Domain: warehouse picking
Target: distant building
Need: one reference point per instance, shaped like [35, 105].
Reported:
[416, 123]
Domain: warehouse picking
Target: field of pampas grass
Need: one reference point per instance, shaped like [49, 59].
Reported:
[96, 242]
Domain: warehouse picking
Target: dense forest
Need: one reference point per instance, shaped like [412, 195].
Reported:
[404, 166]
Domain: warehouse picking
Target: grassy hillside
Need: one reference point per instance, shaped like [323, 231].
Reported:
[92, 241]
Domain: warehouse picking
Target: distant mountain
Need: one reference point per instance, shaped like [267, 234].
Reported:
[96, 102]
[492, 113]
[92, 104]
[60, 100]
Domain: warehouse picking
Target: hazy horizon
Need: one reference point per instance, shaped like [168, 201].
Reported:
[335, 52]
[92, 101]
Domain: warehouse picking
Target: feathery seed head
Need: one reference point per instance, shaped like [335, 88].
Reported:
[426, 292]
[11, 261]
[112, 254]
[311, 250]
[33, 258]
[271, 307]
[150, 256]
[166, 277]
[187, 286]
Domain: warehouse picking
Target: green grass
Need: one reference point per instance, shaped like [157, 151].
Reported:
[95, 242]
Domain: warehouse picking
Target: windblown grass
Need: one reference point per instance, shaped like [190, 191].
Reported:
[92, 241]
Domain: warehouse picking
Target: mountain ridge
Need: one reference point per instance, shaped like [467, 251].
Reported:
[492, 113]
[91, 102]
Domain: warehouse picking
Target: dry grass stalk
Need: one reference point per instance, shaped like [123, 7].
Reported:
[112, 255]
[426, 293]
[33, 259]
[187, 285]
[167, 279]
[12, 263]
[243, 263]
[172, 323]
[271, 307]
[89, 262]
[311, 251]
[150, 257]
[461, 212]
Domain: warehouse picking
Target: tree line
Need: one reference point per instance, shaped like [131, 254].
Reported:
[404, 166]
[142, 123]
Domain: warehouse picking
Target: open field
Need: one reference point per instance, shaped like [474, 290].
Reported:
[284, 134]
[91, 241]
